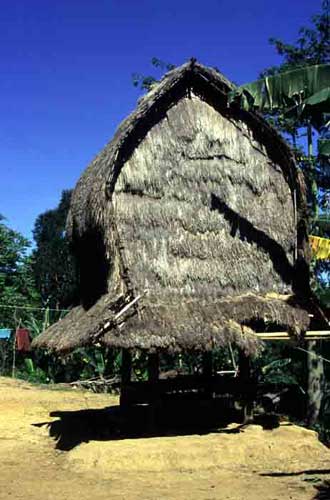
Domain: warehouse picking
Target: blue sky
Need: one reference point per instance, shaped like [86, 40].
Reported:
[66, 73]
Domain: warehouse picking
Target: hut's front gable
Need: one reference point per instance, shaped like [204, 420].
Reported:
[201, 209]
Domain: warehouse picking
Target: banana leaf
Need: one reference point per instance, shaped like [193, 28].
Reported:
[303, 93]
[100, 364]
[316, 108]
[285, 90]
[321, 97]
[29, 366]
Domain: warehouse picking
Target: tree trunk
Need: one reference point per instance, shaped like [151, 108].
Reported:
[314, 363]
[314, 383]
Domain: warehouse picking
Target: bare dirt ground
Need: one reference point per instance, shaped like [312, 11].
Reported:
[284, 463]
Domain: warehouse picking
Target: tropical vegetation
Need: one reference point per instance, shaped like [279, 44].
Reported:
[37, 287]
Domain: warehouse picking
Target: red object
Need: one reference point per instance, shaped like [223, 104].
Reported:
[23, 341]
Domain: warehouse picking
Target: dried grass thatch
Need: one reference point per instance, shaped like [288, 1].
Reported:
[201, 204]
[173, 326]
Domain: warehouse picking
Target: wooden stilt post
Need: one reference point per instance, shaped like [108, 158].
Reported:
[153, 367]
[153, 376]
[244, 366]
[208, 372]
[207, 364]
[245, 380]
[126, 371]
[126, 366]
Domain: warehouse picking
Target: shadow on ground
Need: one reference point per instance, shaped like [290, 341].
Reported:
[112, 423]
[323, 491]
[307, 472]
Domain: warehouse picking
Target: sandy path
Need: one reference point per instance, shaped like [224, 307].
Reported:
[213, 466]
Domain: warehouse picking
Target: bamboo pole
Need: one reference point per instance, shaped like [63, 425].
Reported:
[309, 335]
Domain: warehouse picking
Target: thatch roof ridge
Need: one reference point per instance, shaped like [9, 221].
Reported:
[100, 171]
[95, 186]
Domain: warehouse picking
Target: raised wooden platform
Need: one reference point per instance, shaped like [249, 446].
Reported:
[191, 386]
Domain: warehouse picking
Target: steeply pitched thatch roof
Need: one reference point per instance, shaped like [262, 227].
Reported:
[108, 228]
[96, 185]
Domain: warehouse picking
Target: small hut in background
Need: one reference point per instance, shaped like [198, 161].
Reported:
[189, 229]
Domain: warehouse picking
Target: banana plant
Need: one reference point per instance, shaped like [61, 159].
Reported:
[303, 93]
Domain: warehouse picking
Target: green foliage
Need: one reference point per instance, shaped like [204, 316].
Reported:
[311, 47]
[281, 365]
[17, 290]
[17, 285]
[324, 294]
[278, 372]
[294, 96]
[54, 264]
[302, 92]
[145, 82]
[140, 366]
[94, 362]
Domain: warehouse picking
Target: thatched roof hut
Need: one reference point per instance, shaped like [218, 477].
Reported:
[189, 227]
